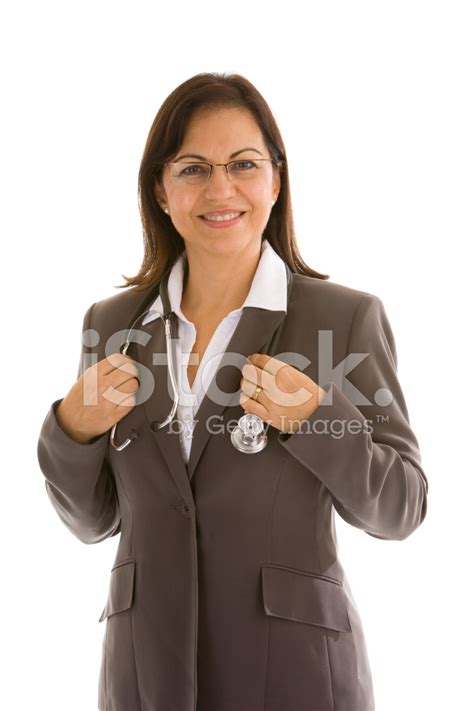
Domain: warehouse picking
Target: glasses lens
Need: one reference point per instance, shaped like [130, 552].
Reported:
[190, 173]
[241, 170]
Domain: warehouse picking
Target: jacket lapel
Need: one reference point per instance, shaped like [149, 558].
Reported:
[159, 403]
[254, 331]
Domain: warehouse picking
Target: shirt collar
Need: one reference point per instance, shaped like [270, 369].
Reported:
[268, 289]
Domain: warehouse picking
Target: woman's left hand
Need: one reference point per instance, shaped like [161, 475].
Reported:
[287, 397]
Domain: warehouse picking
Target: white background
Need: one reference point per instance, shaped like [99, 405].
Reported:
[375, 104]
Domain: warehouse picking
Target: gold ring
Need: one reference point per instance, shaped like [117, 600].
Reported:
[256, 393]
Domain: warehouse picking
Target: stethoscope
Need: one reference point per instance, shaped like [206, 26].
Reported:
[250, 435]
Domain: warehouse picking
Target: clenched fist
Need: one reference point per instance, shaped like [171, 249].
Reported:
[283, 404]
[100, 398]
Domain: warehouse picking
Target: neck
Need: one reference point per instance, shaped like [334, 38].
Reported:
[217, 284]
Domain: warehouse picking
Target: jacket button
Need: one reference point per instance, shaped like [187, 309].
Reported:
[182, 507]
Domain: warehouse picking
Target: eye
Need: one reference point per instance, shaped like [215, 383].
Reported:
[243, 164]
[193, 170]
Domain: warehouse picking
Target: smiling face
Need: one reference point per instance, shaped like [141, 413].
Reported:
[218, 136]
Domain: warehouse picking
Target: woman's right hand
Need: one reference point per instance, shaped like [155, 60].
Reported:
[99, 385]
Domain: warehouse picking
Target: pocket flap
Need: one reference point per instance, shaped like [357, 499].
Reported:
[120, 588]
[304, 597]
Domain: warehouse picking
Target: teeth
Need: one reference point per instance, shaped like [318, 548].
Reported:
[221, 218]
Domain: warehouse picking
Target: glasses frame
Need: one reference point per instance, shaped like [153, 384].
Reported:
[277, 163]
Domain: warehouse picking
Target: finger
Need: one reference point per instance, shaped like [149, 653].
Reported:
[266, 363]
[122, 376]
[252, 406]
[115, 361]
[248, 389]
[126, 370]
[128, 401]
[116, 396]
[129, 386]
[254, 374]
[251, 374]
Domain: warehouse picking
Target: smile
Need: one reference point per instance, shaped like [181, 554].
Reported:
[223, 220]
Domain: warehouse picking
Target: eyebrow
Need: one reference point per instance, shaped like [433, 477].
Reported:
[232, 155]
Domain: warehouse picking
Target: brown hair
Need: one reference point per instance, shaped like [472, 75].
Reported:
[162, 242]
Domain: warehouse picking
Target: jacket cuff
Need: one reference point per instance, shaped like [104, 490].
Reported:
[59, 455]
[340, 431]
[100, 439]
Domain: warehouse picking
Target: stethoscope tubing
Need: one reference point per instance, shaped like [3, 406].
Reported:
[167, 321]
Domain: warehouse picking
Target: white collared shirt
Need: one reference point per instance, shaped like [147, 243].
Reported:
[268, 291]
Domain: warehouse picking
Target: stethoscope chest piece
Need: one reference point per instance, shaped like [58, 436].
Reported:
[249, 436]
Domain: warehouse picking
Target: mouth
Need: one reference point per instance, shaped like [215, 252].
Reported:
[222, 219]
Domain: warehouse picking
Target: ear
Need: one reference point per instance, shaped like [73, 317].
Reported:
[160, 195]
[276, 183]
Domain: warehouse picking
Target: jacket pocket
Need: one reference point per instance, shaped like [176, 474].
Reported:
[120, 596]
[304, 597]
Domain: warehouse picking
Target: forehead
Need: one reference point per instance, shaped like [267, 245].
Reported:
[223, 128]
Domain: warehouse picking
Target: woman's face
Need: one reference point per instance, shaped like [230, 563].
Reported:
[216, 135]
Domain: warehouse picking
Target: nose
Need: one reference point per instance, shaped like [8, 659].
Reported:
[219, 184]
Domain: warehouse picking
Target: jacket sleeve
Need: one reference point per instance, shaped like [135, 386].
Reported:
[78, 478]
[359, 442]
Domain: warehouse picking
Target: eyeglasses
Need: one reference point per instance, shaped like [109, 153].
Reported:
[239, 171]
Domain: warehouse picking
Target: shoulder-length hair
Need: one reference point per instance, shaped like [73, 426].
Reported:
[162, 242]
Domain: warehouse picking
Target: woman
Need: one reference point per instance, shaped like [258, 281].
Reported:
[227, 593]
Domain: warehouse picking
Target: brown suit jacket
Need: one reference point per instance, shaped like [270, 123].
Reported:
[227, 593]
